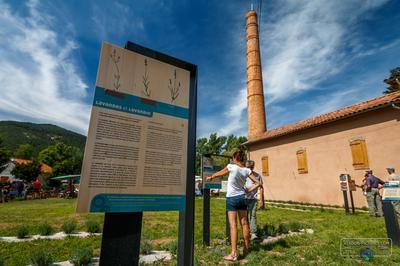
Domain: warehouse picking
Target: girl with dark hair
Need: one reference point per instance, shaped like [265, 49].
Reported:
[235, 199]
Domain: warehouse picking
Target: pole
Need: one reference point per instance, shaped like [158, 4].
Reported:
[392, 225]
[120, 244]
[186, 218]
[227, 229]
[346, 203]
[206, 209]
[206, 216]
[352, 202]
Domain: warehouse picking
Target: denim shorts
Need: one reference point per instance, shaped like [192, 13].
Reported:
[236, 203]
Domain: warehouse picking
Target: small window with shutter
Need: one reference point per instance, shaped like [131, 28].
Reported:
[265, 166]
[359, 154]
[302, 161]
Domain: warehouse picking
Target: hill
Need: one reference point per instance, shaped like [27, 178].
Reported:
[40, 136]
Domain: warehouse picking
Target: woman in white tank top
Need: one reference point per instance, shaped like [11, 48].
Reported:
[235, 199]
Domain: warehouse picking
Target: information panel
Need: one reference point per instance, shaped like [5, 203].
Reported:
[391, 191]
[136, 150]
[208, 169]
[343, 182]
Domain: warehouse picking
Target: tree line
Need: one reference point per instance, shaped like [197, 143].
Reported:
[67, 160]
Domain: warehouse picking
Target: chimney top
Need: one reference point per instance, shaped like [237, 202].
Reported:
[251, 13]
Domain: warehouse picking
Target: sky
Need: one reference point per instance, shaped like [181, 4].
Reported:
[317, 56]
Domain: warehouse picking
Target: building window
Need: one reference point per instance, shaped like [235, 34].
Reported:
[359, 154]
[265, 166]
[302, 161]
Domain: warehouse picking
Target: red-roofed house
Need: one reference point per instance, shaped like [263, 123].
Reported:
[6, 175]
[302, 161]
[44, 168]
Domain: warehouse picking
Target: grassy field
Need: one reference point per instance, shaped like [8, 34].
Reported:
[161, 230]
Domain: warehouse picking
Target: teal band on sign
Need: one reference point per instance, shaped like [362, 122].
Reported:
[211, 185]
[392, 198]
[132, 104]
[137, 203]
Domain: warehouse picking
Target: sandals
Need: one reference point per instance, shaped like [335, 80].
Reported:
[230, 258]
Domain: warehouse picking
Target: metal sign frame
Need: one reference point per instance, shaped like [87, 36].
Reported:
[122, 231]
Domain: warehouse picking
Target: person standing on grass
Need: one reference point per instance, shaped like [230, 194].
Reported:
[394, 177]
[251, 199]
[373, 197]
[37, 185]
[235, 200]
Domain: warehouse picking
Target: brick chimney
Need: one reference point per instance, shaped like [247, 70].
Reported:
[255, 91]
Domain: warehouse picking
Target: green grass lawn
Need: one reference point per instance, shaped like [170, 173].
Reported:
[161, 230]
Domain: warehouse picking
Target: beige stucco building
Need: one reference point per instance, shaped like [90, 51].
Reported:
[302, 161]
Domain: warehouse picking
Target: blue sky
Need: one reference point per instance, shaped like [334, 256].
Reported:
[317, 56]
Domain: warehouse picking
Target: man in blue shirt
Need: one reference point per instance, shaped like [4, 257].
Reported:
[251, 199]
[373, 197]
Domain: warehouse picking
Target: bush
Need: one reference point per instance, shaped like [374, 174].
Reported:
[92, 227]
[283, 228]
[22, 231]
[82, 256]
[267, 230]
[145, 247]
[172, 247]
[45, 229]
[41, 258]
[295, 226]
[2, 261]
[69, 227]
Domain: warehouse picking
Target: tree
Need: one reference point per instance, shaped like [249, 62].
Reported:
[393, 81]
[217, 145]
[4, 155]
[24, 151]
[64, 159]
[233, 143]
[27, 171]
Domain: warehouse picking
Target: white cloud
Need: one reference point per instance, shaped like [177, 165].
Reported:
[38, 77]
[377, 48]
[233, 120]
[235, 115]
[305, 43]
[329, 103]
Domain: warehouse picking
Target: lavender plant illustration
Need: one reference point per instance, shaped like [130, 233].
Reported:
[174, 88]
[117, 76]
[145, 80]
